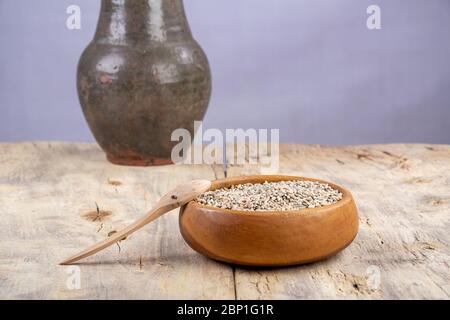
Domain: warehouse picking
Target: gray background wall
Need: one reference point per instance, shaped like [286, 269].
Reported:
[308, 67]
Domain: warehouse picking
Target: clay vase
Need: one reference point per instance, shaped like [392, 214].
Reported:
[142, 77]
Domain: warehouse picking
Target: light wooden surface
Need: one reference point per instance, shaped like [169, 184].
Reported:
[49, 193]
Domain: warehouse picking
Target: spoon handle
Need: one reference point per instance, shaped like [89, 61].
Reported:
[149, 217]
[178, 197]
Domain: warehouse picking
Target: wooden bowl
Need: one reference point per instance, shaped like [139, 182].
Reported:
[269, 238]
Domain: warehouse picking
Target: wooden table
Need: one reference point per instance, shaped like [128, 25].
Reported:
[49, 193]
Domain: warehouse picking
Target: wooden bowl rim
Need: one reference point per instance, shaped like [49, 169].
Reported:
[346, 197]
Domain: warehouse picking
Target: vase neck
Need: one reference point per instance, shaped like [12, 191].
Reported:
[140, 21]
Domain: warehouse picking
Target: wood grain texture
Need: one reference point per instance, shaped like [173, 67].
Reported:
[403, 197]
[48, 196]
[49, 192]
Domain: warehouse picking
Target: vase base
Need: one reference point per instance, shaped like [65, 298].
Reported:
[135, 161]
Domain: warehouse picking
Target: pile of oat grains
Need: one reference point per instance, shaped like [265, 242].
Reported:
[272, 196]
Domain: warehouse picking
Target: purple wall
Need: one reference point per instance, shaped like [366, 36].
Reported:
[308, 67]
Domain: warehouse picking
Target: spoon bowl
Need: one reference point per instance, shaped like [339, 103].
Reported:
[269, 238]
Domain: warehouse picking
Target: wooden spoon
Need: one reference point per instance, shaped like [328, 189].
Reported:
[178, 197]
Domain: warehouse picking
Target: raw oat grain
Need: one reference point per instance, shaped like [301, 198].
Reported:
[272, 196]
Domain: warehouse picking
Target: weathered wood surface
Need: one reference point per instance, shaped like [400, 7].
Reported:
[49, 192]
[48, 196]
[402, 249]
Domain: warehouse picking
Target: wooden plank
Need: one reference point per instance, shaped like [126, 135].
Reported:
[402, 250]
[49, 194]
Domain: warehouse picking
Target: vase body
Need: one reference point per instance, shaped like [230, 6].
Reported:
[142, 77]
